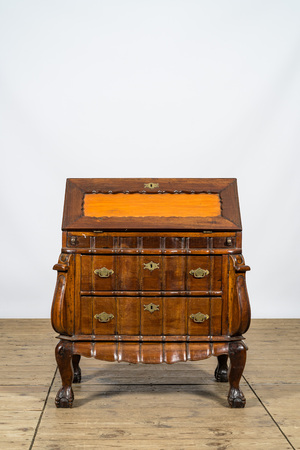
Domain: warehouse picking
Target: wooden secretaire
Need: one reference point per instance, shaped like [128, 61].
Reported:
[151, 271]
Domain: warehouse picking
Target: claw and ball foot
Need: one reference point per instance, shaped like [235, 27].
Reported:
[221, 372]
[64, 398]
[63, 354]
[237, 355]
[236, 398]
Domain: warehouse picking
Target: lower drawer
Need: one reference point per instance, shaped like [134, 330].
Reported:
[150, 316]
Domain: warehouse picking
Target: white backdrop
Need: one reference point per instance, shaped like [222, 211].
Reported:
[167, 88]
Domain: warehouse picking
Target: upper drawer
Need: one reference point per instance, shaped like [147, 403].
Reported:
[151, 243]
[151, 273]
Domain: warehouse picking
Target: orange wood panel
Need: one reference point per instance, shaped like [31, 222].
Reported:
[152, 205]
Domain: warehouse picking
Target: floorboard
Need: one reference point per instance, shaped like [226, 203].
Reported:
[161, 407]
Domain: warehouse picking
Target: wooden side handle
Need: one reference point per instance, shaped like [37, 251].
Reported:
[239, 264]
[242, 268]
[61, 267]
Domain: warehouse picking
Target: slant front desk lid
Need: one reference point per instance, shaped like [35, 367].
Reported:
[155, 203]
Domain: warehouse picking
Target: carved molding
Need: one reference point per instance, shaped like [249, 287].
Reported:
[150, 353]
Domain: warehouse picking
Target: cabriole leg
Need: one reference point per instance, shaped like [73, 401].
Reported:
[63, 354]
[221, 372]
[76, 369]
[237, 355]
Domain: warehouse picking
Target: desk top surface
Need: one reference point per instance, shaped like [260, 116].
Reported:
[151, 204]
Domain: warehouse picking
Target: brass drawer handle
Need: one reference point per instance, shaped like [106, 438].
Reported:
[151, 266]
[199, 273]
[151, 307]
[103, 272]
[73, 240]
[104, 317]
[199, 317]
[229, 242]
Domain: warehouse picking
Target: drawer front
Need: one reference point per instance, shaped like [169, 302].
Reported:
[150, 316]
[151, 243]
[151, 273]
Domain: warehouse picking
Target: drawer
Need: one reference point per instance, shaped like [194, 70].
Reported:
[150, 316]
[153, 244]
[151, 273]
[150, 242]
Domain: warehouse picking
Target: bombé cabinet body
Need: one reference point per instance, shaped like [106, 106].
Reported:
[151, 271]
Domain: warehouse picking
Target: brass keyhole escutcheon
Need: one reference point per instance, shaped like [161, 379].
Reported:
[199, 317]
[104, 317]
[151, 266]
[199, 273]
[151, 185]
[151, 307]
[103, 272]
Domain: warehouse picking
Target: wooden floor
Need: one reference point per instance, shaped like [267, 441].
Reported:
[124, 406]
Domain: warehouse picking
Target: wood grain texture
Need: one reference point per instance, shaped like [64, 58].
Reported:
[184, 396]
[174, 293]
[152, 243]
[78, 189]
[62, 320]
[151, 205]
[131, 273]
